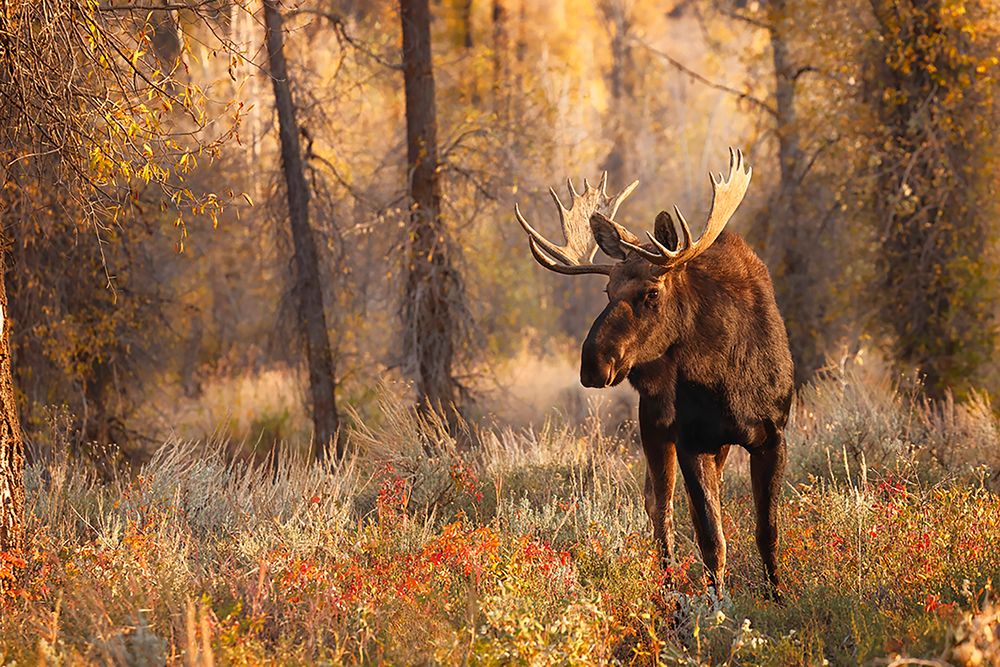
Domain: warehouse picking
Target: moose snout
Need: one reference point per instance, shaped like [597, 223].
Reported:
[598, 368]
[598, 373]
[595, 374]
[601, 361]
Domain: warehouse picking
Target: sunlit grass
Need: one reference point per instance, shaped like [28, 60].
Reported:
[530, 547]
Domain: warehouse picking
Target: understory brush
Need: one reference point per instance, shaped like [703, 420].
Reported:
[527, 547]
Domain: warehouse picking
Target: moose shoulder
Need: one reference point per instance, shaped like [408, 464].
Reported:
[693, 325]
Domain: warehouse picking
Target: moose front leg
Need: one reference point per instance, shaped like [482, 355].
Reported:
[701, 477]
[659, 498]
[658, 443]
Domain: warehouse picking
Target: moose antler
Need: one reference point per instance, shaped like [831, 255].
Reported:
[577, 256]
[727, 194]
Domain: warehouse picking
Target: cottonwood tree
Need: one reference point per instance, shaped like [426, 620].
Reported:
[932, 81]
[308, 289]
[434, 300]
[87, 108]
[787, 229]
[619, 17]
[789, 234]
[77, 343]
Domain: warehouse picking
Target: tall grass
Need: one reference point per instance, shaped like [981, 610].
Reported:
[530, 546]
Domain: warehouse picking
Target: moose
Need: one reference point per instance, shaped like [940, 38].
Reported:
[694, 327]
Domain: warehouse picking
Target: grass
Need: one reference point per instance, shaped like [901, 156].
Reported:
[531, 547]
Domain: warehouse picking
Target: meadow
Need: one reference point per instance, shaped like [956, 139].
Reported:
[518, 546]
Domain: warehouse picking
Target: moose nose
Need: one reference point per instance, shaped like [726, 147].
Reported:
[596, 370]
[600, 358]
[591, 375]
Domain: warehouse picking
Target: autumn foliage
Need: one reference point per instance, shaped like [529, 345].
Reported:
[468, 556]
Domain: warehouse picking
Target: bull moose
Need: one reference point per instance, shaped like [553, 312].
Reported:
[694, 326]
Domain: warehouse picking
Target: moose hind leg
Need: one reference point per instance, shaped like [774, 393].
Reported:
[767, 465]
[701, 476]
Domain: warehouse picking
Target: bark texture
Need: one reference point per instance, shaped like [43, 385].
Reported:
[11, 443]
[434, 302]
[308, 290]
[618, 16]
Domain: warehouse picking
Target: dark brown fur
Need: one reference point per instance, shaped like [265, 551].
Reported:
[706, 348]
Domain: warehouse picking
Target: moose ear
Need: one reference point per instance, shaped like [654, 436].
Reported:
[664, 231]
[609, 235]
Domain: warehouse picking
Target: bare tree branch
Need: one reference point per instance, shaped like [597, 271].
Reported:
[740, 94]
[343, 36]
[148, 7]
[740, 16]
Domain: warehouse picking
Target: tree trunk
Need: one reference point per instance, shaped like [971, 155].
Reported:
[11, 444]
[308, 291]
[465, 19]
[620, 78]
[506, 138]
[786, 234]
[166, 37]
[501, 96]
[789, 145]
[434, 300]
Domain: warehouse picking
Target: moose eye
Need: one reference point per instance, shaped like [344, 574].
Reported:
[651, 295]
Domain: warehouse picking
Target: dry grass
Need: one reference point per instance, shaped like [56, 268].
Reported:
[531, 548]
[255, 409]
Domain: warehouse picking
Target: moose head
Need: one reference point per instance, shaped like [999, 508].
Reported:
[644, 313]
[693, 325]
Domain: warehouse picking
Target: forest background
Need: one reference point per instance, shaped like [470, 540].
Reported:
[871, 130]
[252, 222]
